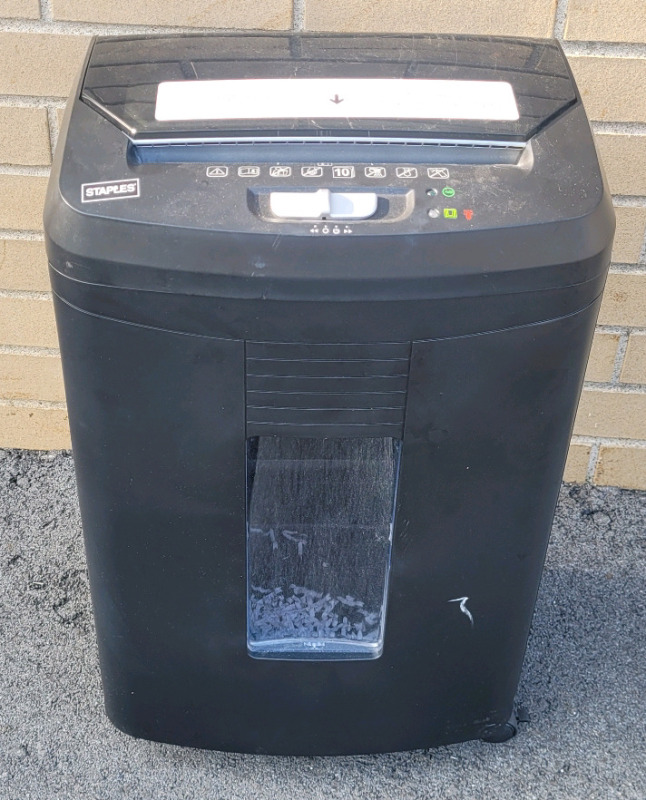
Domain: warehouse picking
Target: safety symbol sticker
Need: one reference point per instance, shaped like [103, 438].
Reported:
[375, 172]
[217, 172]
[406, 172]
[438, 173]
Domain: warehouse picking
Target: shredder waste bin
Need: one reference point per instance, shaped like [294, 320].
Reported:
[324, 305]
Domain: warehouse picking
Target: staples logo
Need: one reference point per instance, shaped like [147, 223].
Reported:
[109, 190]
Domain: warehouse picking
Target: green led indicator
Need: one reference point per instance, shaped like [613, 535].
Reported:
[450, 213]
[448, 191]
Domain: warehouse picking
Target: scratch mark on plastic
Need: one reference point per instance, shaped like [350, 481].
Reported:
[463, 608]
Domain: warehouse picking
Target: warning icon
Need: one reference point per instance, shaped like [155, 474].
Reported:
[217, 172]
[438, 173]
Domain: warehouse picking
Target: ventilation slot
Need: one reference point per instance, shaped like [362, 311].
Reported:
[326, 389]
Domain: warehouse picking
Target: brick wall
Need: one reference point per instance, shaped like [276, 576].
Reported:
[43, 41]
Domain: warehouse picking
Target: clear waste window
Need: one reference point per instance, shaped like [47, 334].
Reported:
[319, 533]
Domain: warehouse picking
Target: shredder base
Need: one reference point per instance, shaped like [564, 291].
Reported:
[495, 734]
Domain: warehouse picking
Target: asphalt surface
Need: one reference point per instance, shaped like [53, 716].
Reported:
[584, 681]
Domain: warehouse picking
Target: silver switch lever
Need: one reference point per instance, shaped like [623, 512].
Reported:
[300, 205]
[323, 204]
[352, 205]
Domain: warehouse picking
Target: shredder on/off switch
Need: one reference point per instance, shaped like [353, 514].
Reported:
[324, 305]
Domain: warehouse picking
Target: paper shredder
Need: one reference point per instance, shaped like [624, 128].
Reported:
[324, 305]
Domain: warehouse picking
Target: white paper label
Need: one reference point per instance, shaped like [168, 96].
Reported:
[336, 98]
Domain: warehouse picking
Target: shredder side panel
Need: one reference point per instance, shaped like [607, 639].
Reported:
[158, 430]
[489, 418]
[157, 423]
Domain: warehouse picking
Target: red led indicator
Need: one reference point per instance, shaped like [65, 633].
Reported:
[468, 213]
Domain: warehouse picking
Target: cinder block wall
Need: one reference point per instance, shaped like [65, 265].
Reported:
[42, 43]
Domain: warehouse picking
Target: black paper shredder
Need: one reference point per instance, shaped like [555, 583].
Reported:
[324, 305]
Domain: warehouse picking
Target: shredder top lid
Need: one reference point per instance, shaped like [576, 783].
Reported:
[123, 77]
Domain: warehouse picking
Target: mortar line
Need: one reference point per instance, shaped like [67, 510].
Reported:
[32, 101]
[593, 461]
[15, 169]
[298, 15]
[629, 200]
[608, 441]
[46, 13]
[24, 294]
[82, 28]
[46, 404]
[21, 350]
[628, 269]
[27, 236]
[619, 128]
[601, 49]
[52, 123]
[641, 258]
[560, 19]
[610, 388]
[620, 356]
[620, 329]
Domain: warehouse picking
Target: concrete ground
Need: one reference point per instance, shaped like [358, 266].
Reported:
[584, 681]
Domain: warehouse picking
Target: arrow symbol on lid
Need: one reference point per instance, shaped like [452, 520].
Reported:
[336, 99]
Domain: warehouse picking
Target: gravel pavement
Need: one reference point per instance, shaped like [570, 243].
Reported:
[584, 681]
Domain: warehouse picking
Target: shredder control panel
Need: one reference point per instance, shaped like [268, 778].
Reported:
[328, 198]
[316, 198]
[341, 199]
[360, 195]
